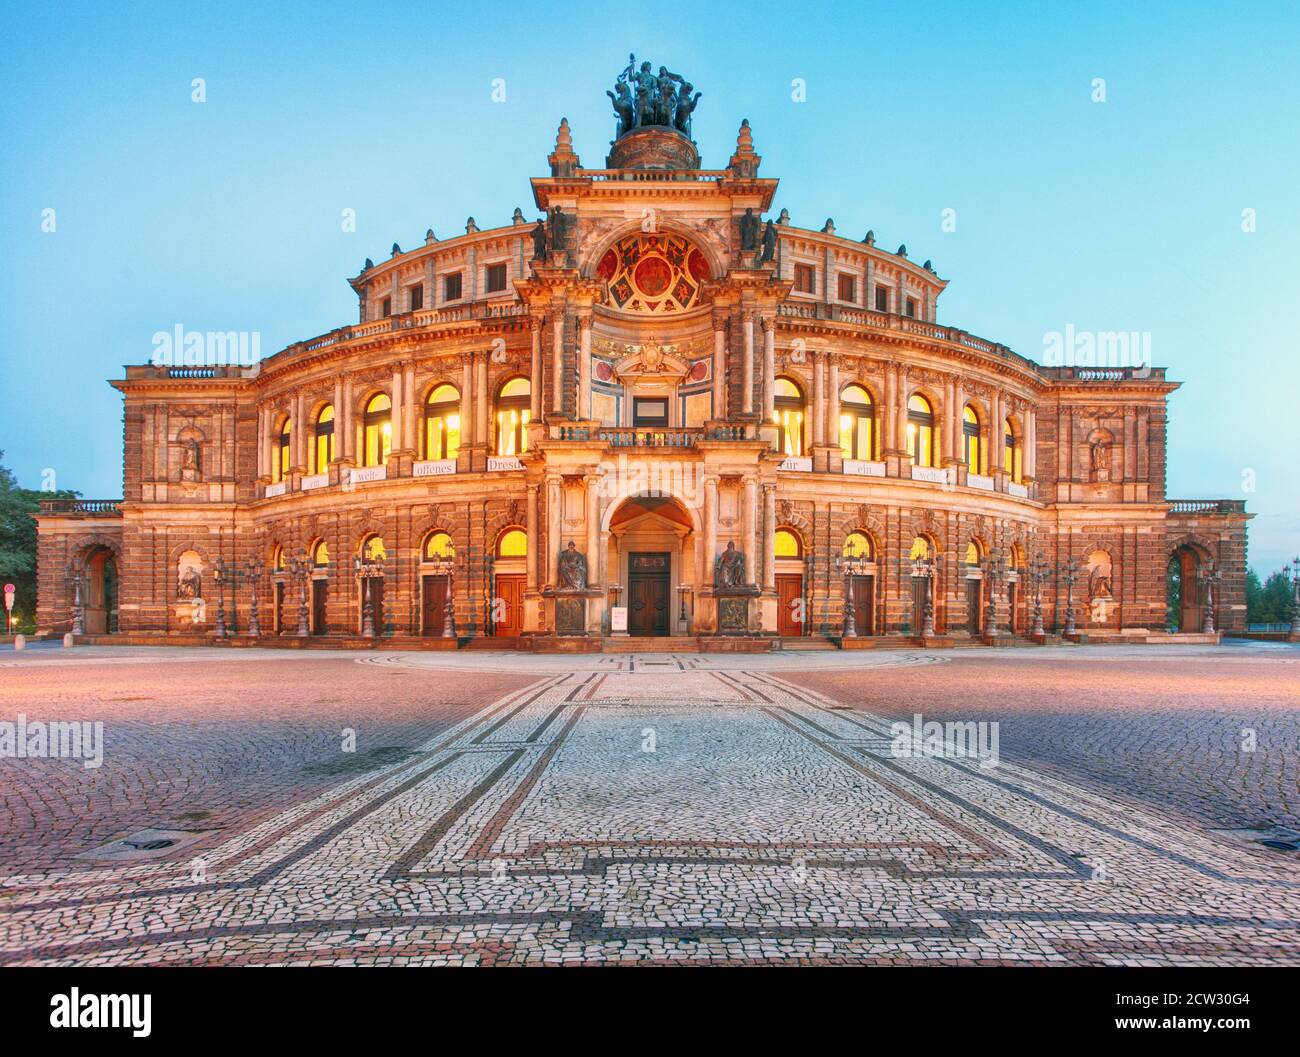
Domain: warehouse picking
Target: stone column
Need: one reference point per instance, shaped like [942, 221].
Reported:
[584, 365]
[719, 365]
[467, 434]
[998, 445]
[749, 518]
[408, 435]
[481, 430]
[833, 401]
[535, 376]
[952, 393]
[747, 384]
[591, 484]
[338, 422]
[349, 440]
[299, 432]
[261, 441]
[557, 363]
[398, 429]
[769, 537]
[534, 543]
[554, 497]
[769, 368]
[819, 399]
[705, 575]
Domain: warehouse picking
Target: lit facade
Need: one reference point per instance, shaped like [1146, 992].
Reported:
[652, 376]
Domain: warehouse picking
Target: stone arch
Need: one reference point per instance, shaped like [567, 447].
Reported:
[708, 243]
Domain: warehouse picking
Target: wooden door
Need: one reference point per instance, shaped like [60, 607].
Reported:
[376, 604]
[510, 613]
[279, 607]
[918, 604]
[789, 604]
[864, 604]
[434, 598]
[319, 592]
[647, 594]
[974, 611]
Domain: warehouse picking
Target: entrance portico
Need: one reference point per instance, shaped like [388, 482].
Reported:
[651, 548]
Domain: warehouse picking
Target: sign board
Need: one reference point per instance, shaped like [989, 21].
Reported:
[618, 618]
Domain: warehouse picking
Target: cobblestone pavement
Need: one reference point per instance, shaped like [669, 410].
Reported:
[654, 809]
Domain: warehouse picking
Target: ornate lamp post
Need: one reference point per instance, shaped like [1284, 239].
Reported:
[924, 568]
[1069, 572]
[682, 591]
[78, 601]
[367, 569]
[849, 567]
[1038, 568]
[220, 574]
[300, 570]
[1209, 577]
[1295, 599]
[253, 569]
[995, 571]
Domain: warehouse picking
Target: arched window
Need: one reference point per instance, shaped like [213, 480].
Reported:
[920, 548]
[320, 554]
[1011, 452]
[970, 439]
[324, 440]
[377, 440]
[513, 403]
[787, 544]
[438, 547]
[972, 556]
[442, 423]
[857, 545]
[513, 543]
[277, 559]
[857, 419]
[373, 549]
[920, 430]
[280, 467]
[789, 416]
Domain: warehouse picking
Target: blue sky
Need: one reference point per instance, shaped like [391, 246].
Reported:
[1122, 215]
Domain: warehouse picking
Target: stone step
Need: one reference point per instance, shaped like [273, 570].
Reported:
[651, 644]
[807, 642]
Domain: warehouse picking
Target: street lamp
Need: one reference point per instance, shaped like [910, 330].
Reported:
[995, 571]
[253, 570]
[1295, 599]
[368, 569]
[1209, 577]
[924, 568]
[78, 601]
[445, 565]
[1069, 572]
[220, 574]
[1038, 570]
[849, 567]
[300, 570]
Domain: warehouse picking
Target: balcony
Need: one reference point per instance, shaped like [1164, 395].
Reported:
[81, 507]
[1207, 506]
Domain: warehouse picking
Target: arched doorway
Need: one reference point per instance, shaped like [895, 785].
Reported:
[791, 619]
[509, 577]
[99, 603]
[1183, 590]
[651, 550]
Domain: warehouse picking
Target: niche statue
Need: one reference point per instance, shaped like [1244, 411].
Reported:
[731, 567]
[572, 569]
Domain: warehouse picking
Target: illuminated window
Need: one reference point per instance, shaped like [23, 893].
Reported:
[324, 443]
[857, 417]
[513, 543]
[438, 547]
[320, 554]
[277, 559]
[789, 417]
[1011, 452]
[512, 417]
[442, 423]
[377, 439]
[787, 544]
[970, 439]
[920, 548]
[858, 545]
[920, 431]
[972, 553]
[373, 549]
[280, 466]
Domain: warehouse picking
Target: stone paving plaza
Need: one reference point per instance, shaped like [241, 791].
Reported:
[507, 809]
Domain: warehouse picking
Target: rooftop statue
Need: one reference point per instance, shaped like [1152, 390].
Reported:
[644, 99]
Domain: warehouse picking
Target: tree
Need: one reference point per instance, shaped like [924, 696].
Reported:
[1269, 602]
[1254, 597]
[18, 541]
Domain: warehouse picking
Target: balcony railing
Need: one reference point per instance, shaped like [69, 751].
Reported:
[1207, 506]
[81, 507]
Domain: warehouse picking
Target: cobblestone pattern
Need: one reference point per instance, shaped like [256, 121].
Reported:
[673, 816]
[1164, 729]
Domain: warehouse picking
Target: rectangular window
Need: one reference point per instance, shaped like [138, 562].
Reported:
[386, 307]
[911, 307]
[805, 278]
[649, 411]
[417, 297]
[451, 287]
[496, 278]
[882, 299]
[848, 287]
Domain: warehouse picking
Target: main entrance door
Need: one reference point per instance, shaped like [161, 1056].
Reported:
[864, 604]
[647, 594]
[509, 605]
[318, 597]
[974, 611]
[789, 604]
